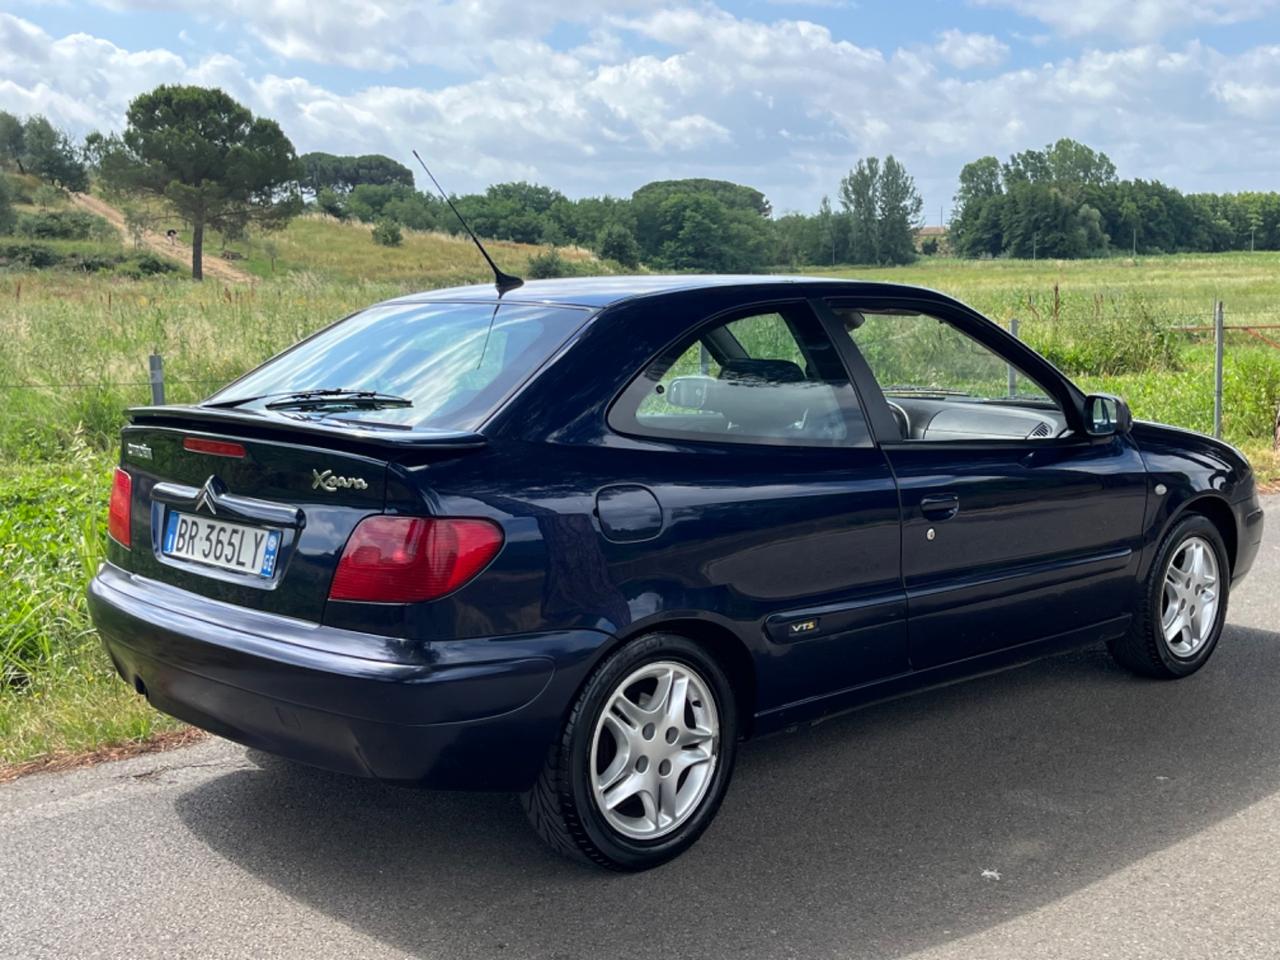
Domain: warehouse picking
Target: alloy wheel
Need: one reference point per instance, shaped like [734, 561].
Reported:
[655, 749]
[1189, 603]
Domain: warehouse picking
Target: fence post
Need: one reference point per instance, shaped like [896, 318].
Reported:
[156, 363]
[1217, 368]
[1013, 373]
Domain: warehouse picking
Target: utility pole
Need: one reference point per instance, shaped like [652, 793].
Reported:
[1035, 240]
[1251, 230]
[1219, 329]
[1135, 241]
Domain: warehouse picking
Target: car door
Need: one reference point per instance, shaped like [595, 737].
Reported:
[1016, 525]
[781, 513]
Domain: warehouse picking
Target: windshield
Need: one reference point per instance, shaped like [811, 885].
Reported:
[453, 362]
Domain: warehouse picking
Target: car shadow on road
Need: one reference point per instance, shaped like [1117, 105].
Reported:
[876, 834]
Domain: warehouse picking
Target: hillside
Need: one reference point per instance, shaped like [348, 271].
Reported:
[345, 251]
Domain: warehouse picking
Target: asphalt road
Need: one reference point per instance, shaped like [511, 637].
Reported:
[1063, 809]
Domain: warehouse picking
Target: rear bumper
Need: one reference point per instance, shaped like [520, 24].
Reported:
[473, 714]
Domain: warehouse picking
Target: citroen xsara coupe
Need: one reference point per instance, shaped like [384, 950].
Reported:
[580, 538]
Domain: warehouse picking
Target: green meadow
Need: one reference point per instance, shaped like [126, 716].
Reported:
[74, 344]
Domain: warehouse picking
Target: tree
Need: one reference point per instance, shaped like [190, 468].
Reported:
[341, 173]
[331, 202]
[617, 242]
[826, 230]
[897, 213]
[375, 168]
[95, 144]
[11, 137]
[975, 224]
[860, 197]
[744, 207]
[1073, 164]
[210, 158]
[7, 217]
[48, 153]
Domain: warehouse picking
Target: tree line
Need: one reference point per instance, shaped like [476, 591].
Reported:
[218, 167]
[1066, 201]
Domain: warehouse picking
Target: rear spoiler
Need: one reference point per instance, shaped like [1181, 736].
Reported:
[260, 425]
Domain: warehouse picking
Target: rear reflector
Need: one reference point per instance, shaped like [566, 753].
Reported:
[411, 559]
[218, 448]
[120, 512]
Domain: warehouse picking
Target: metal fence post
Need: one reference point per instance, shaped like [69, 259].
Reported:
[1013, 373]
[156, 363]
[1217, 369]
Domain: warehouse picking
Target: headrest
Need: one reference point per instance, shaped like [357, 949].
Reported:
[763, 397]
[747, 370]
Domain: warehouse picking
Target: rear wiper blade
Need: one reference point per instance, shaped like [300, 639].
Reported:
[317, 398]
[340, 400]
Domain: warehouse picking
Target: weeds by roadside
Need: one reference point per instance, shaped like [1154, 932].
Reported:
[73, 354]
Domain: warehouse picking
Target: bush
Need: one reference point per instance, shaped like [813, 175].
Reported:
[89, 262]
[1128, 338]
[28, 255]
[617, 243]
[146, 265]
[61, 225]
[331, 202]
[7, 217]
[47, 195]
[387, 233]
[544, 266]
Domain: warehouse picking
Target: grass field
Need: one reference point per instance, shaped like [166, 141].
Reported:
[74, 347]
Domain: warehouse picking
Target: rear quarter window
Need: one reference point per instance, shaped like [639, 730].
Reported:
[770, 378]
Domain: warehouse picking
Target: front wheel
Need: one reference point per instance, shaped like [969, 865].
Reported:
[644, 759]
[1183, 604]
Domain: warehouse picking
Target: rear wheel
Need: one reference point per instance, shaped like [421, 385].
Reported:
[1183, 605]
[644, 759]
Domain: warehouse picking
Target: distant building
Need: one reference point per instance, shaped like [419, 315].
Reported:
[932, 240]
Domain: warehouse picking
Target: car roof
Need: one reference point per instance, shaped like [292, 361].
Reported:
[598, 292]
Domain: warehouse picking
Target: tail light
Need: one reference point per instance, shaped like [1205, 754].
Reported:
[411, 559]
[120, 512]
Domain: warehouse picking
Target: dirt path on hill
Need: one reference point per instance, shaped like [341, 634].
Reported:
[214, 267]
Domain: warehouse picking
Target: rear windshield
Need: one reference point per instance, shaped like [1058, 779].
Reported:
[456, 362]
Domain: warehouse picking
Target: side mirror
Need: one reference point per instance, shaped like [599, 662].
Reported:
[1106, 416]
[690, 393]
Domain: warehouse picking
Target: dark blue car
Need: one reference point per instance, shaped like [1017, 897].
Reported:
[580, 539]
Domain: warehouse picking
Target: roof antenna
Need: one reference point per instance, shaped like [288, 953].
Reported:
[504, 281]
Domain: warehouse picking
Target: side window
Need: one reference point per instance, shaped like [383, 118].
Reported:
[942, 384]
[766, 377]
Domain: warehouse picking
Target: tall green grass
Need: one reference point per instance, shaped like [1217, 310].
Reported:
[58, 692]
[74, 348]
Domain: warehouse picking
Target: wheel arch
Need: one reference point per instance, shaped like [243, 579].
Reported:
[1218, 512]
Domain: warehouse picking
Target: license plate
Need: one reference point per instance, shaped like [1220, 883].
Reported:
[229, 546]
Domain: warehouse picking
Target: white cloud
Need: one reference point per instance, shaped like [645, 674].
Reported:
[381, 35]
[710, 95]
[1141, 20]
[967, 50]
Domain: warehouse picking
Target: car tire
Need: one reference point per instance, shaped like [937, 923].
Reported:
[673, 752]
[1148, 649]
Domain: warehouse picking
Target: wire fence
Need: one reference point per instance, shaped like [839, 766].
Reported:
[1259, 329]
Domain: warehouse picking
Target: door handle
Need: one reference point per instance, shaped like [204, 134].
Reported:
[940, 507]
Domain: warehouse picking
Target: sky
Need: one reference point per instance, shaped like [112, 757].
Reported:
[604, 96]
